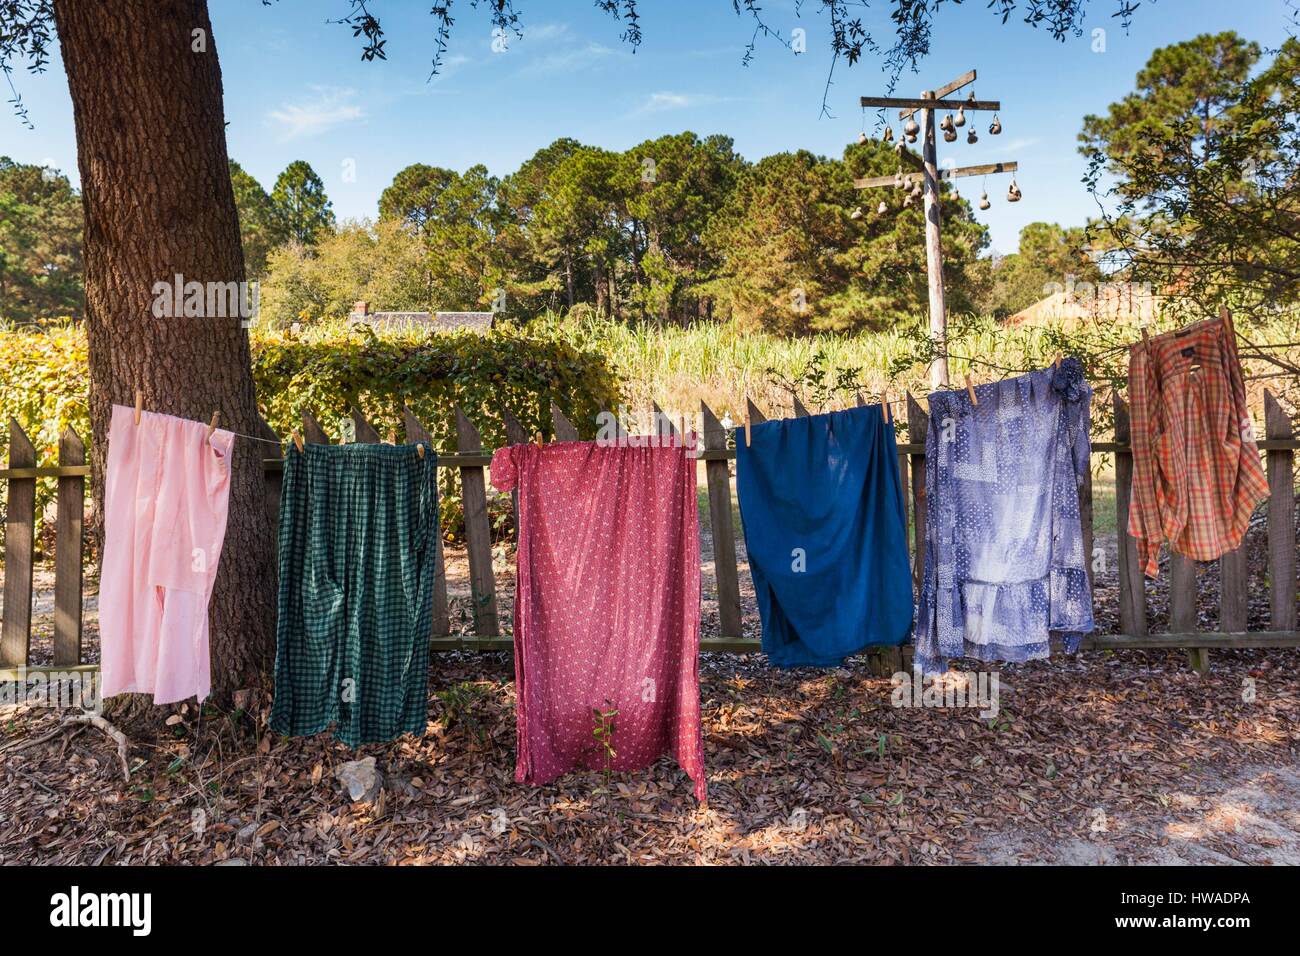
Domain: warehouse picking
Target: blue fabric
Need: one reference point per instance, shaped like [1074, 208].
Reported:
[826, 487]
[1004, 560]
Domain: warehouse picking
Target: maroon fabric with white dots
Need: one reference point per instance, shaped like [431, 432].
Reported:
[607, 608]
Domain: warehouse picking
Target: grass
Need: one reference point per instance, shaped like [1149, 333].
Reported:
[721, 363]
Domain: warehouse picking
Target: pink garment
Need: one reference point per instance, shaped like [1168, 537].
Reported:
[607, 608]
[165, 501]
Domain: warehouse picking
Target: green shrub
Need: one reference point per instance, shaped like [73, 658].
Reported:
[327, 371]
[330, 371]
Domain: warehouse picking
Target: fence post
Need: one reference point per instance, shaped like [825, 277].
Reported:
[564, 430]
[478, 536]
[1281, 524]
[1182, 608]
[20, 544]
[721, 530]
[416, 432]
[1086, 523]
[619, 431]
[918, 422]
[1233, 575]
[68, 540]
[658, 417]
[1132, 586]
[274, 482]
[366, 433]
[312, 433]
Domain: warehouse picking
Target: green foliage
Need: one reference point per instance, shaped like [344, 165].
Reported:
[795, 259]
[40, 243]
[303, 211]
[43, 388]
[1050, 259]
[1195, 171]
[602, 730]
[329, 374]
[260, 229]
[454, 219]
[458, 709]
[333, 369]
[382, 262]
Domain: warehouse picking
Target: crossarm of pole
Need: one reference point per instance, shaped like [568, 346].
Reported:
[952, 86]
[909, 105]
[986, 169]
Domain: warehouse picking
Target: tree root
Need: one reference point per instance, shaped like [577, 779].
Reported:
[114, 734]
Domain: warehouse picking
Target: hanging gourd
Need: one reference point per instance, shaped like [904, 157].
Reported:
[960, 119]
[996, 126]
[907, 200]
[857, 213]
[946, 123]
[882, 208]
[916, 189]
[898, 179]
[862, 138]
[984, 201]
[950, 136]
[889, 134]
[971, 136]
[910, 129]
[898, 147]
[1013, 191]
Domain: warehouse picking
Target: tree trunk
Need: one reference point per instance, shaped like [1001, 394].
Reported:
[568, 275]
[151, 147]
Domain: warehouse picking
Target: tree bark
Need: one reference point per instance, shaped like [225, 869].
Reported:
[568, 274]
[151, 147]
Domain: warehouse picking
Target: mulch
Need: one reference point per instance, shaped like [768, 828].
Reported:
[803, 767]
[1107, 750]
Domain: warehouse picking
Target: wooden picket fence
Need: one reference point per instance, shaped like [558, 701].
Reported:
[471, 460]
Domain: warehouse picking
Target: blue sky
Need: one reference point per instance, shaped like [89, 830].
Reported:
[296, 88]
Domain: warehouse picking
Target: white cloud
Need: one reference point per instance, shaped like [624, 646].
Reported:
[545, 31]
[568, 61]
[666, 100]
[329, 107]
[1021, 142]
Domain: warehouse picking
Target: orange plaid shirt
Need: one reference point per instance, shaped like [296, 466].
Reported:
[1197, 476]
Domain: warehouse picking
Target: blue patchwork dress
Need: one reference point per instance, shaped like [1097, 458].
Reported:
[1004, 562]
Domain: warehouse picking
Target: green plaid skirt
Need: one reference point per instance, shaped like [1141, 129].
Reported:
[358, 536]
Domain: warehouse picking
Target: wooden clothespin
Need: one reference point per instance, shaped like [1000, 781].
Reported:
[1146, 339]
[1057, 363]
[392, 436]
[139, 405]
[970, 390]
[889, 411]
[420, 450]
[212, 426]
[297, 439]
[539, 440]
[1226, 318]
[747, 435]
